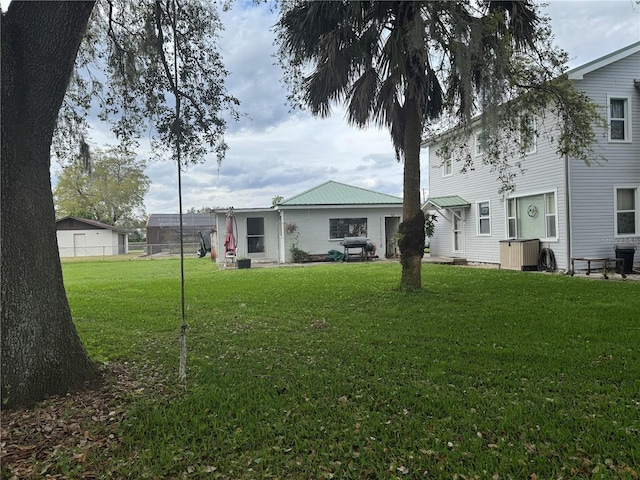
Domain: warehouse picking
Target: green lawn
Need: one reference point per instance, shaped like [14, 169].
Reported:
[333, 372]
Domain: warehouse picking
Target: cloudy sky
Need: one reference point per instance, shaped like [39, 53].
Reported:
[276, 152]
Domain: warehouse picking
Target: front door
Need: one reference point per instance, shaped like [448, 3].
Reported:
[458, 230]
[531, 217]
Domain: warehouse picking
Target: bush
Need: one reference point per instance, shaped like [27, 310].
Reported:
[299, 256]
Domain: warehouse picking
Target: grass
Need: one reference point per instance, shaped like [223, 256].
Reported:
[333, 372]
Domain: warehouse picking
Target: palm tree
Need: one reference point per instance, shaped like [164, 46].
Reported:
[402, 65]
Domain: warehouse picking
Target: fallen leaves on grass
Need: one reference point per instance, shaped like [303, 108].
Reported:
[55, 439]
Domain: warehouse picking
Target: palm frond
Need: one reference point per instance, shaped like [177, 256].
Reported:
[363, 96]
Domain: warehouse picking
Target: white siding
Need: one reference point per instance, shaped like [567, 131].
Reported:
[313, 226]
[592, 188]
[543, 172]
[95, 243]
[271, 234]
[312, 230]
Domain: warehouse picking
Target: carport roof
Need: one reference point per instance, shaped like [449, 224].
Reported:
[446, 202]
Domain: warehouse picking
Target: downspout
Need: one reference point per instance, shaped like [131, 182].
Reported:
[281, 258]
[567, 206]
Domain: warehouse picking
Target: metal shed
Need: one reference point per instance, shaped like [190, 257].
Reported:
[163, 230]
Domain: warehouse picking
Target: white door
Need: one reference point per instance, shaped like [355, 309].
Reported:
[79, 245]
[458, 230]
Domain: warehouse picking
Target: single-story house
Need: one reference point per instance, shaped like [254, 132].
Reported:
[570, 209]
[79, 237]
[315, 221]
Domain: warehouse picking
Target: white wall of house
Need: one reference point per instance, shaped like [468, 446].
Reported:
[256, 232]
[593, 188]
[585, 196]
[313, 226]
[91, 242]
[543, 174]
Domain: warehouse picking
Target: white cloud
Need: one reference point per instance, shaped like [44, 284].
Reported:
[590, 29]
[274, 152]
[286, 159]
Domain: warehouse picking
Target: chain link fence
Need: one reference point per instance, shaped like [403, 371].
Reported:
[135, 249]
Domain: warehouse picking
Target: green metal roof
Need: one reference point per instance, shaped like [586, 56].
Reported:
[446, 202]
[335, 193]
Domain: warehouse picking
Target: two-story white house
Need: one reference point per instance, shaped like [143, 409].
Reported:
[574, 210]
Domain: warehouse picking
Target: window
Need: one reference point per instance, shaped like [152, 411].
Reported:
[479, 150]
[347, 227]
[528, 135]
[626, 211]
[447, 167]
[484, 218]
[255, 235]
[619, 120]
[550, 215]
[512, 221]
[532, 216]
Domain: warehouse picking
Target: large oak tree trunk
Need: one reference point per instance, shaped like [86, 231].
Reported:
[41, 352]
[412, 227]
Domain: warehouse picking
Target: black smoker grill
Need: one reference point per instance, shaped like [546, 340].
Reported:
[367, 248]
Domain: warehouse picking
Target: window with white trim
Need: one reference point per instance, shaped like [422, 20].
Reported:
[484, 218]
[512, 218]
[533, 216]
[550, 215]
[447, 167]
[626, 201]
[255, 235]
[619, 119]
[347, 227]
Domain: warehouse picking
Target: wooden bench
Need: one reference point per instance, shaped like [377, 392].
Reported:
[618, 265]
[318, 257]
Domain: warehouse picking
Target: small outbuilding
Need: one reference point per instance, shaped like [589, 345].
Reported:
[163, 230]
[79, 237]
